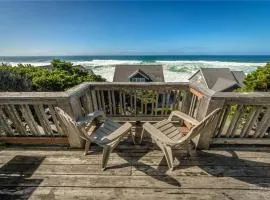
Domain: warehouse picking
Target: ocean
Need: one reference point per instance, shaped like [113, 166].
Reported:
[176, 68]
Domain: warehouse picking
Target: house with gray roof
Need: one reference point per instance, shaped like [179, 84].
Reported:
[218, 79]
[138, 73]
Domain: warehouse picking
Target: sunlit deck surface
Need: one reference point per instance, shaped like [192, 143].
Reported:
[135, 172]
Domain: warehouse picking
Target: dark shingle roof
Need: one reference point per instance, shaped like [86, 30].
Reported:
[123, 72]
[220, 79]
[239, 76]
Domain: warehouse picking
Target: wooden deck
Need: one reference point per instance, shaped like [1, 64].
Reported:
[135, 172]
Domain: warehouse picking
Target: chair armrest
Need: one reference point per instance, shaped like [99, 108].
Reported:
[90, 117]
[183, 116]
[119, 132]
[154, 132]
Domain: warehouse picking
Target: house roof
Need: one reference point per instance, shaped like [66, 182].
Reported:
[239, 76]
[220, 79]
[122, 73]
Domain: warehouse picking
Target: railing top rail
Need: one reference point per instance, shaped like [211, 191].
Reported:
[32, 95]
[241, 94]
[139, 84]
[80, 89]
[252, 98]
[260, 97]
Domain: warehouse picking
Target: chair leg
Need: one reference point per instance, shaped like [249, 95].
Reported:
[169, 156]
[87, 147]
[133, 137]
[142, 135]
[106, 155]
[191, 149]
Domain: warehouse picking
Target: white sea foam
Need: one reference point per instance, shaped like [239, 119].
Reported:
[106, 62]
[174, 71]
[182, 70]
[31, 63]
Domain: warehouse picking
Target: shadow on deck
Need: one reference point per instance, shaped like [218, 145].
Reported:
[14, 177]
[134, 172]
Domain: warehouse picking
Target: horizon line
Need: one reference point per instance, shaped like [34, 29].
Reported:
[134, 55]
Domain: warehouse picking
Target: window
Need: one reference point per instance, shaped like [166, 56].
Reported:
[137, 79]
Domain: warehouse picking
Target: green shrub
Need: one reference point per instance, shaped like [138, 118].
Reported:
[10, 81]
[62, 76]
[258, 80]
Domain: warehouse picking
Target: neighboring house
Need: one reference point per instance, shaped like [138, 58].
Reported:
[218, 79]
[138, 73]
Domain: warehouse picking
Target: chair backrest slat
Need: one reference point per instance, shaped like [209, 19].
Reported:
[70, 124]
[202, 126]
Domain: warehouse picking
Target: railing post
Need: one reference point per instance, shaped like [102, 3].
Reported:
[207, 105]
[76, 107]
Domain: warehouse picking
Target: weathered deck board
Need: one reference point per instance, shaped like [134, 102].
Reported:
[144, 194]
[138, 170]
[144, 160]
[135, 172]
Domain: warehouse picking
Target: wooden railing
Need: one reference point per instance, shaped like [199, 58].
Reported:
[31, 117]
[245, 118]
[134, 101]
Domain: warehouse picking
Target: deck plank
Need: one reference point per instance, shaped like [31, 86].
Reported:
[158, 182]
[42, 193]
[134, 172]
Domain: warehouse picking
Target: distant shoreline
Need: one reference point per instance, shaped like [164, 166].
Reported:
[176, 68]
[225, 58]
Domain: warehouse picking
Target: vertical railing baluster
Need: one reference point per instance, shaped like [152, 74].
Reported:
[253, 116]
[29, 118]
[110, 101]
[55, 120]
[135, 102]
[167, 102]
[113, 100]
[94, 100]
[153, 102]
[99, 100]
[103, 102]
[264, 124]
[43, 119]
[15, 117]
[4, 122]
[89, 103]
[156, 105]
[163, 102]
[235, 119]
[121, 110]
[125, 103]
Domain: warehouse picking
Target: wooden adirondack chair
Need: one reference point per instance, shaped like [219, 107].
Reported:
[107, 135]
[167, 136]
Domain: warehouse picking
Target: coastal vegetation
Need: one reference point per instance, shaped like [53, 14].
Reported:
[59, 76]
[258, 80]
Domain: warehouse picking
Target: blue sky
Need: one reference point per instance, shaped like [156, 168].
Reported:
[106, 28]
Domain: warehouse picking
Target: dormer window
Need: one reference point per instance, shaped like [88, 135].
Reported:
[137, 80]
[139, 76]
